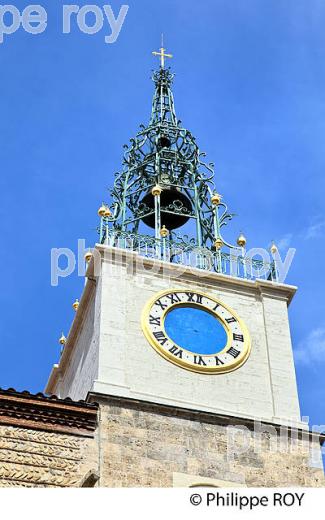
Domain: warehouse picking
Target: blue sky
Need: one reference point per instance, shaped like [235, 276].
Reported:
[250, 85]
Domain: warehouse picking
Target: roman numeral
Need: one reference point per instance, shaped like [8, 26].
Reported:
[216, 306]
[154, 321]
[233, 352]
[173, 297]
[218, 361]
[161, 304]
[194, 297]
[230, 320]
[176, 352]
[238, 337]
[160, 336]
[198, 360]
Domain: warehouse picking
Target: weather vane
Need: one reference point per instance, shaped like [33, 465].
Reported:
[162, 53]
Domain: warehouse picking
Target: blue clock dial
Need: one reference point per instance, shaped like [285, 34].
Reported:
[195, 330]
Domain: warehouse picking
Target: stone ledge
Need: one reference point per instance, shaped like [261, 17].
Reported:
[193, 415]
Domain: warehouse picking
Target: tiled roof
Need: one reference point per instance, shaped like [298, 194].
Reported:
[39, 411]
[40, 395]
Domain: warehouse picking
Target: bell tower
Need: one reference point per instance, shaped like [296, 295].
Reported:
[179, 330]
[165, 182]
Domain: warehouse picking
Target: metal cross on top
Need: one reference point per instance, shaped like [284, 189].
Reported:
[162, 55]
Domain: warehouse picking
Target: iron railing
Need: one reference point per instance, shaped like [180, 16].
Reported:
[233, 263]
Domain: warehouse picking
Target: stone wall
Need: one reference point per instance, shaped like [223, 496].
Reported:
[147, 447]
[49, 442]
[32, 458]
[79, 371]
[46, 441]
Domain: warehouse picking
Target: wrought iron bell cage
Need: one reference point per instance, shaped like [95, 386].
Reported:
[165, 183]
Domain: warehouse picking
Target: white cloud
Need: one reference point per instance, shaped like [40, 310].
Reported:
[312, 349]
[316, 229]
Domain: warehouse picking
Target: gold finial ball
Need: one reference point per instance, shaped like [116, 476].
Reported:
[216, 199]
[101, 211]
[75, 305]
[108, 212]
[218, 244]
[63, 339]
[241, 240]
[164, 232]
[88, 256]
[274, 249]
[156, 190]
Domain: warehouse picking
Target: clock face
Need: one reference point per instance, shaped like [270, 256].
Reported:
[195, 331]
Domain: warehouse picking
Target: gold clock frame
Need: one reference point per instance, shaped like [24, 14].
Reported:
[221, 369]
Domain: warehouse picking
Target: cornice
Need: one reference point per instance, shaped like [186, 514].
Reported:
[189, 273]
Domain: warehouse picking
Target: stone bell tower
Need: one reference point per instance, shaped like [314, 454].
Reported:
[181, 337]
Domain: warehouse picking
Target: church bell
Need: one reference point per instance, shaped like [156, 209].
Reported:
[172, 201]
